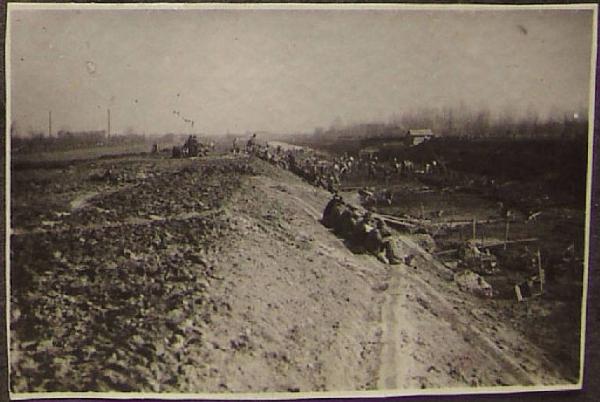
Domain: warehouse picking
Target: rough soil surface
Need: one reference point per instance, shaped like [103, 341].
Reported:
[215, 275]
[445, 338]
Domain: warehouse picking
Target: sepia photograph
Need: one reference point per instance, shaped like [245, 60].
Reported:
[242, 201]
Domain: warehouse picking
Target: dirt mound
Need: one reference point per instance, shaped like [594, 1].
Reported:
[131, 294]
[190, 279]
[215, 275]
[304, 311]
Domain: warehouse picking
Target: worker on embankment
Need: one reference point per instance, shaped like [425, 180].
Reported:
[332, 211]
[363, 232]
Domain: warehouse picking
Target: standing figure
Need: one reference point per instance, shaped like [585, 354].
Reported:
[251, 143]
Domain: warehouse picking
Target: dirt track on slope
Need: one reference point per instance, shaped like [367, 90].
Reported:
[427, 333]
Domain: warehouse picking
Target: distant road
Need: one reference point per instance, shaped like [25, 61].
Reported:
[285, 146]
[81, 153]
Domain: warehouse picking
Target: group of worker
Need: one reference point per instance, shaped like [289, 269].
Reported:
[317, 171]
[251, 146]
[191, 147]
[363, 231]
[329, 172]
[372, 167]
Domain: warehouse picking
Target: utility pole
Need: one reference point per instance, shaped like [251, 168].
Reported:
[50, 123]
[108, 121]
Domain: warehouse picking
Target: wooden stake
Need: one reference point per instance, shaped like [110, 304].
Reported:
[518, 293]
[506, 233]
[540, 271]
[482, 236]
[474, 234]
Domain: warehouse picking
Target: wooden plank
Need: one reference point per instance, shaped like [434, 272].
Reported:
[530, 240]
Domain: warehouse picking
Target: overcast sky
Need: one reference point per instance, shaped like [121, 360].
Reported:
[289, 71]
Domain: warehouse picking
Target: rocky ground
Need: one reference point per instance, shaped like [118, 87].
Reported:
[554, 231]
[215, 275]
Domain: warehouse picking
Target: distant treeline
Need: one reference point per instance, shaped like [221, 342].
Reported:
[66, 140]
[452, 123]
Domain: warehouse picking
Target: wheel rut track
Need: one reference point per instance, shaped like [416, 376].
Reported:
[508, 362]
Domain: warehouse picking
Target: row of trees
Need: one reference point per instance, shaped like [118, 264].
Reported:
[66, 140]
[465, 123]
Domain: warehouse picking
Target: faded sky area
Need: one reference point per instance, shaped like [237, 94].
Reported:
[289, 70]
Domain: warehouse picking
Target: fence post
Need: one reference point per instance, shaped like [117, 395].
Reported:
[540, 271]
[482, 236]
[506, 232]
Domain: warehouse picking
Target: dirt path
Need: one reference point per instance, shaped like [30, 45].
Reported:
[318, 317]
[115, 225]
[310, 315]
[433, 339]
[81, 200]
[426, 345]
[434, 335]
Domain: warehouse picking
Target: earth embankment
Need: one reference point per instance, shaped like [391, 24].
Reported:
[215, 275]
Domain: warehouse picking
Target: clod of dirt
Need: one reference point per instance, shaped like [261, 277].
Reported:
[469, 281]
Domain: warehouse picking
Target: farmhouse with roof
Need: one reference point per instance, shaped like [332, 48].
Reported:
[418, 136]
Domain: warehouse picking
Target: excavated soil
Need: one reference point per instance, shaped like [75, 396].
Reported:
[215, 275]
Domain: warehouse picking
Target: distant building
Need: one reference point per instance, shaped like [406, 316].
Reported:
[368, 152]
[418, 136]
[395, 138]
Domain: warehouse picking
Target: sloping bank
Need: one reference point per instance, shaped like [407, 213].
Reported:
[303, 312]
[430, 333]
